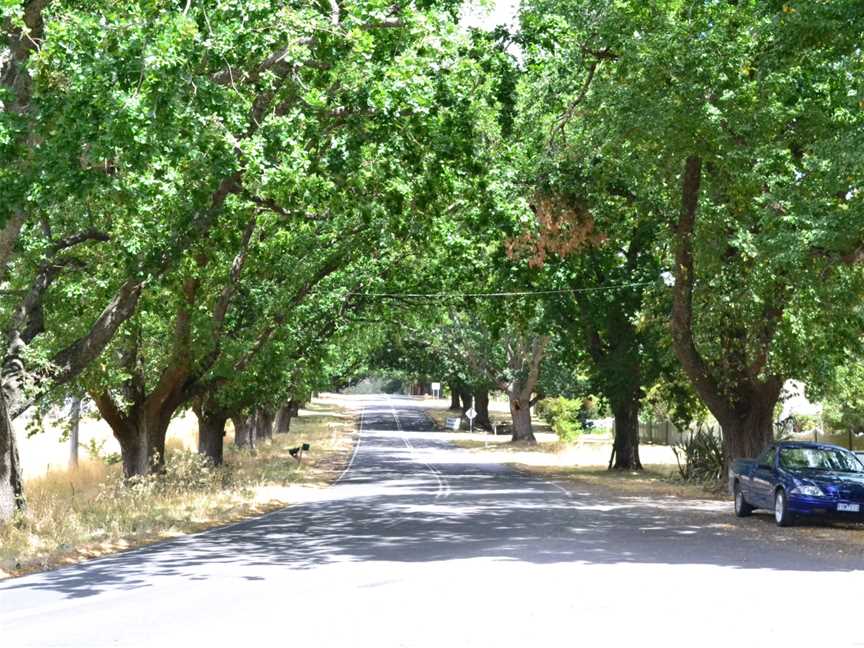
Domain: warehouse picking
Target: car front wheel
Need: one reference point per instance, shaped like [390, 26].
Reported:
[742, 508]
[781, 509]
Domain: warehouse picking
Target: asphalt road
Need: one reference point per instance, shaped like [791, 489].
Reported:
[417, 546]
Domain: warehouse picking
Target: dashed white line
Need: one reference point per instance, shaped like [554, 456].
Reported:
[443, 485]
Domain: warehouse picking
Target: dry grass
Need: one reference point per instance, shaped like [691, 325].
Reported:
[88, 512]
[48, 451]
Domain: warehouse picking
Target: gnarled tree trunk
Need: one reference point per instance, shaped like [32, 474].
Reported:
[481, 404]
[211, 432]
[524, 361]
[134, 450]
[466, 395]
[520, 413]
[243, 432]
[11, 481]
[264, 425]
[454, 396]
[282, 424]
[524, 356]
[141, 434]
[749, 427]
[625, 451]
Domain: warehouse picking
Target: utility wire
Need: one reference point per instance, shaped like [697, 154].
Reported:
[522, 293]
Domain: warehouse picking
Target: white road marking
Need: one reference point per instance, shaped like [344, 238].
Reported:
[443, 485]
[356, 448]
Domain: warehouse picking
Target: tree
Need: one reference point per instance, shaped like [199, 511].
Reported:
[732, 128]
[605, 262]
[509, 355]
[289, 113]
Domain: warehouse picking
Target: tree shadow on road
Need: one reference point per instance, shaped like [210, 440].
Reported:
[397, 506]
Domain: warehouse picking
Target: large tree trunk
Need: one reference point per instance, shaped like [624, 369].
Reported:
[454, 396]
[750, 428]
[11, 481]
[211, 434]
[520, 413]
[625, 451]
[466, 396]
[282, 424]
[481, 404]
[142, 443]
[294, 407]
[243, 437]
[140, 431]
[134, 450]
[264, 425]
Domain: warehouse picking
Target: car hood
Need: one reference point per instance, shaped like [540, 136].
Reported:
[835, 479]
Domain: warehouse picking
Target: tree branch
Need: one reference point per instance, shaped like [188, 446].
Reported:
[592, 336]
[70, 361]
[565, 117]
[108, 409]
[538, 348]
[78, 238]
[22, 42]
[277, 61]
[220, 309]
[683, 342]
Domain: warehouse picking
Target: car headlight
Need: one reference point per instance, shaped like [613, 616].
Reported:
[810, 491]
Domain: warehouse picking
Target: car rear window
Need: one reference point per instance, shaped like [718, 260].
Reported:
[820, 459]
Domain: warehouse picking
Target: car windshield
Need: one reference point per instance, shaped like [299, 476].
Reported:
[820, 459]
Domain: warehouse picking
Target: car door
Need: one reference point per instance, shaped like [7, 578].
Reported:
[764, 478]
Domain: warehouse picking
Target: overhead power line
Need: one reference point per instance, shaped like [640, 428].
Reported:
[493, 295]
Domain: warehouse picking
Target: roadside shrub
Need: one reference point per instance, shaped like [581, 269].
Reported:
[186, 470]
[701, 457]
[565, 415]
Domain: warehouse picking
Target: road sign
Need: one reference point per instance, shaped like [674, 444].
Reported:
[436, 386]
[471, 414]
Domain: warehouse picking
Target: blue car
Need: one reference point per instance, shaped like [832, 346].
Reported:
[800, 479]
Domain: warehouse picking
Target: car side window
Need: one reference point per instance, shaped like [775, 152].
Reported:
[766, 458]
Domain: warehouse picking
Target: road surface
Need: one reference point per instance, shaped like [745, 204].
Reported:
[418, 546]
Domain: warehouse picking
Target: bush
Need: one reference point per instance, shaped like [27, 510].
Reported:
[565, 415]
[186, 470]
[701, 458]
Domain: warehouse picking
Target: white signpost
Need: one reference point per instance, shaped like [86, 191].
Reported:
[471, 414]
[436, 390]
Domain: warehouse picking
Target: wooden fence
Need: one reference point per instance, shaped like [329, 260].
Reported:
[665, 432]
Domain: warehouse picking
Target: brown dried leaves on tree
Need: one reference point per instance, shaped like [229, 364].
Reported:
[563, 228]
